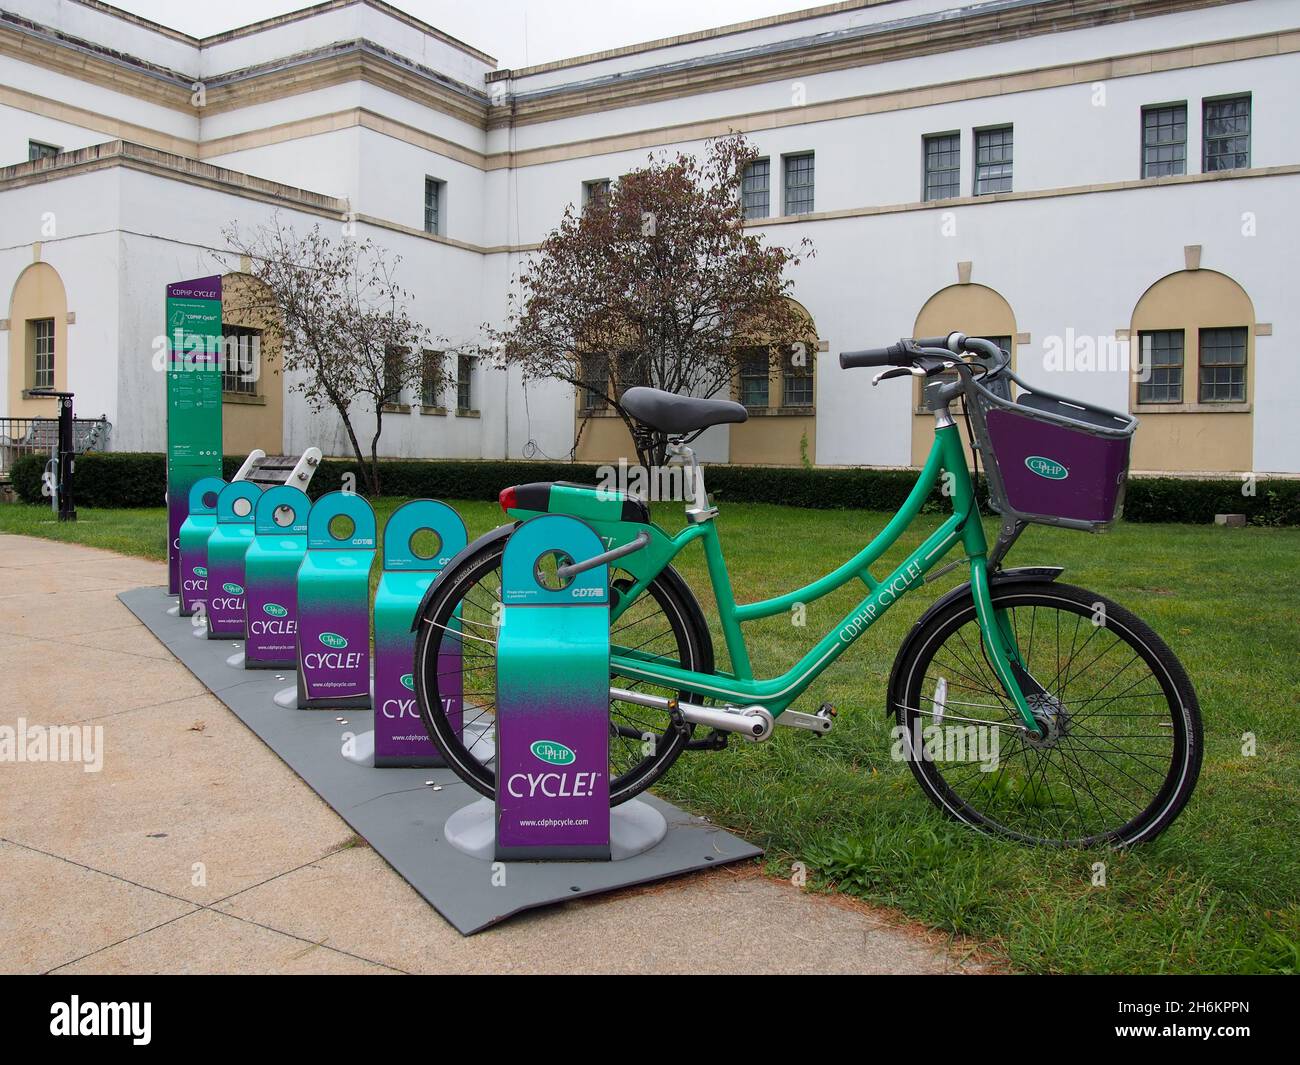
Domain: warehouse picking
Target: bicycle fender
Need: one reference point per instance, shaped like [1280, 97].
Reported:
[1015, 575]
[501, 532]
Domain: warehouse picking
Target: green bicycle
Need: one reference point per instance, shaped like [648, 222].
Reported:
[1093, 725]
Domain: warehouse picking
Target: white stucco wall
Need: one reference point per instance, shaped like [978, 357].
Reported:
[1065, 262]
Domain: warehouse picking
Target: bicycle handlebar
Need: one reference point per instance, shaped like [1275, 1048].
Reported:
[936, 342]
[904, 353]
[909, 352]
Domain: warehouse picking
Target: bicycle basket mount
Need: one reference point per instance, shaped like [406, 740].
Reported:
[1052, 460]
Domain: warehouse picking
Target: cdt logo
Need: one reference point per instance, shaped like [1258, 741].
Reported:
[134, 1019]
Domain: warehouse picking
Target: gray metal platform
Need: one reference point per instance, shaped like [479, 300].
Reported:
[402, 816]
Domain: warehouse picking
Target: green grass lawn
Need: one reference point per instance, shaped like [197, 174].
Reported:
[1216, 893]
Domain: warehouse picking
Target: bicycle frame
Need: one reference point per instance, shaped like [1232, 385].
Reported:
[739, 686]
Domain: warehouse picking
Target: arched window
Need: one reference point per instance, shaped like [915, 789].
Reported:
[38, 340]
[976, 310]
[1193, 342]
[252, 391]
[778, 385]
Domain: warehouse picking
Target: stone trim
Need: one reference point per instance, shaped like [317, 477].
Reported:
[84, 61]
[329, 5]
[690, 38]
[372, 66]
[976, 88]
[1258, 46]
[340, 63]
[287, 18]
[334, 121]
[800, 59]
[181, 168]
[98, 121]
[166, 164]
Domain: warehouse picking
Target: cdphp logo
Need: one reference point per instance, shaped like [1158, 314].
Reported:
[552, 753]
[1045, 467]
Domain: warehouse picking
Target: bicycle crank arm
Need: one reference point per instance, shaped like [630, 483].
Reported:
[820, 722]
[751, 722]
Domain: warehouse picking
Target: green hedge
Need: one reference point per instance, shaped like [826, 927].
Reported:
[124, 479]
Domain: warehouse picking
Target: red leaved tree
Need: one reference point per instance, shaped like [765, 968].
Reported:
[654, 281]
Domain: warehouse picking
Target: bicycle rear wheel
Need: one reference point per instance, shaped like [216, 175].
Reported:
[1123, 739]
[665, 621]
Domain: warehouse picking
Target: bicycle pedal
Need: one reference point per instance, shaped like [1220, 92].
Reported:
[714, 741]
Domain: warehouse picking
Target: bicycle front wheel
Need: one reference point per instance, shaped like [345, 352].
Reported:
[1121, 739]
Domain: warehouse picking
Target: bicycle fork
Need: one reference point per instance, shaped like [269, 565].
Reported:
[996, 631]
[1002, 648]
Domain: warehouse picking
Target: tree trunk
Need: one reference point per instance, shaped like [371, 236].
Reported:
[374, 451]
[352, 436]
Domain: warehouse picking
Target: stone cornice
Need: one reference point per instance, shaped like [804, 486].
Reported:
[798, 59]
[205, 175]
[1076, 73]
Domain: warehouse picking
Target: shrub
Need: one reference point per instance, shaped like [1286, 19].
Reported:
[125, 479]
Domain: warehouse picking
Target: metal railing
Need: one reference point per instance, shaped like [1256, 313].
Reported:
[38, 436]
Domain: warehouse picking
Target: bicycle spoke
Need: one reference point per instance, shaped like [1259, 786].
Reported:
[1103, 756]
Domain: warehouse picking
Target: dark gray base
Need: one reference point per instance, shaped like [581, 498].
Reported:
[634, 828]
[287, 665]
[399, 812]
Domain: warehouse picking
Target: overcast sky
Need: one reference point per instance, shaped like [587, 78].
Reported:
[517, 32]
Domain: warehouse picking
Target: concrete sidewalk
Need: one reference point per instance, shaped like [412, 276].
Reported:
[195, 849]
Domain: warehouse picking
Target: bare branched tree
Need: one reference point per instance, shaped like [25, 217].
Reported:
[342, 322]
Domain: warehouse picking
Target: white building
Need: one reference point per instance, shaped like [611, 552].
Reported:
[1095, 169]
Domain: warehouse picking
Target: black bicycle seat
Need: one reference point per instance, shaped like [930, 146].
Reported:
[673, 414]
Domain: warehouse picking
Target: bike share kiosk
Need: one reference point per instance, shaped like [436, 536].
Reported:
[400, 736]
[271, 578]
[193, 544]
[227, 544]
[334, 604]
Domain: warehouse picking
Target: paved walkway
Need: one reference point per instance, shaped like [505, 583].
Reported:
[195, 849]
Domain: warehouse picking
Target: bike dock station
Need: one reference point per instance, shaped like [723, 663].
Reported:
[552, 717]
[193, 544]
[416, 816]
[288, 580]
[334, 604]
[271, 577]
[401, 811]
[400, 738]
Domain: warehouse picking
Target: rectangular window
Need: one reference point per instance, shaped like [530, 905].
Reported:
[1223, 365]
[465, 383]
[593, 372]
[942, 166]
[597, 191]
[631, 367]
[797, 377]
[431, 363]
[37, 150]
[755, 189]
[1164, 140]
[1161, 355]
[434, 197]
[240, 359]
[754, 366]
[993, 160]
[1000, 388]
[40, 342]
[1227, 133]
[393, 373]
[799, 181]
